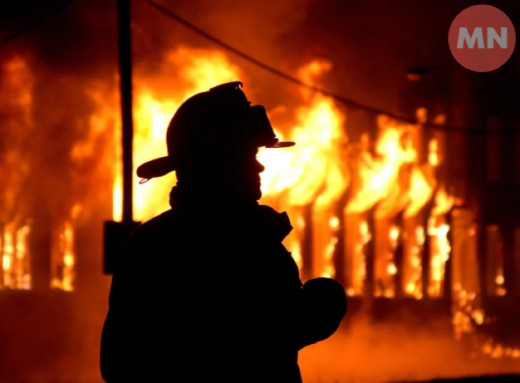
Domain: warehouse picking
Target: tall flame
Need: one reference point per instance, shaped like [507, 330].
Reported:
[314, 168]
[439, 244]
[313, 172]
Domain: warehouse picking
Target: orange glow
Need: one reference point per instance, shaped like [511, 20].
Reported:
[440, 247]
[421, 191]
[391, 268]
[357, 238]
[199, 70]
[378, 175]
[17, 100]
[412, 273]
[16, 270]
[500, 290]
[314, 170]
[433, 152]
[443, 202]
[63, 257]
[467, 313]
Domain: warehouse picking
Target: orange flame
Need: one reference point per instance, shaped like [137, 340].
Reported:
[314, 168]
[198, 70]
[314, 171]
[378, 175]
[439, 245]
[16, 97]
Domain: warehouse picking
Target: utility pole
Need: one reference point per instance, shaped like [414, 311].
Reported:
[117, 232]
[125, 71]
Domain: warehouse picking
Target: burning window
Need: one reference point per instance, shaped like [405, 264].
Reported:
[15, 221]
[49, 157]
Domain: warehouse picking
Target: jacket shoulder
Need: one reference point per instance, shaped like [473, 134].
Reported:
[162, 221]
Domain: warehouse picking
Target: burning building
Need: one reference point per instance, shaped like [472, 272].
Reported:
[416, 217]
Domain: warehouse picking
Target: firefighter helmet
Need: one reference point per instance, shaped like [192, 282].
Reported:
[219, 119]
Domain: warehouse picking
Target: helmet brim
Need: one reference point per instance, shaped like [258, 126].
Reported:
[281, 144]
[156, 168]
[164, 165]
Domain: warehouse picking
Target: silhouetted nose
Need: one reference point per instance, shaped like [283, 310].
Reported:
[259, 167]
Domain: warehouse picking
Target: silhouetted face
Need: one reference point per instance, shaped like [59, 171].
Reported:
[240, 171]
[231, 172]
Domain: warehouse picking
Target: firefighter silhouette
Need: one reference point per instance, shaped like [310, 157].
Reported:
[206, 291]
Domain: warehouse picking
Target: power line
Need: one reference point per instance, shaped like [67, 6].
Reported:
[279, 73]
[31, 24]
[19, 32]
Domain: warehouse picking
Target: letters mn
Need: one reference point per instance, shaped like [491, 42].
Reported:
[478, 37]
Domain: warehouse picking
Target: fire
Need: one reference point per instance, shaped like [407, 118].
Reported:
[313, 172]
[15, 223]
[412, 272]
[151, 120]
[316, 172]
[395, 210]
[393, 187]
[198, 71]
[421, 190]
[63, 258]
[15, 261]
[433, 152]
[440, 247]
[359, 236]
[314, 168]
[378, 175]
[496, 350]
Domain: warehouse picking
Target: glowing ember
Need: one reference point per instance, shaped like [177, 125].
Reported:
[334, 223]
[467, 314]
[433, 152]
[495, 350]
[391, 268]
[499, 283]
